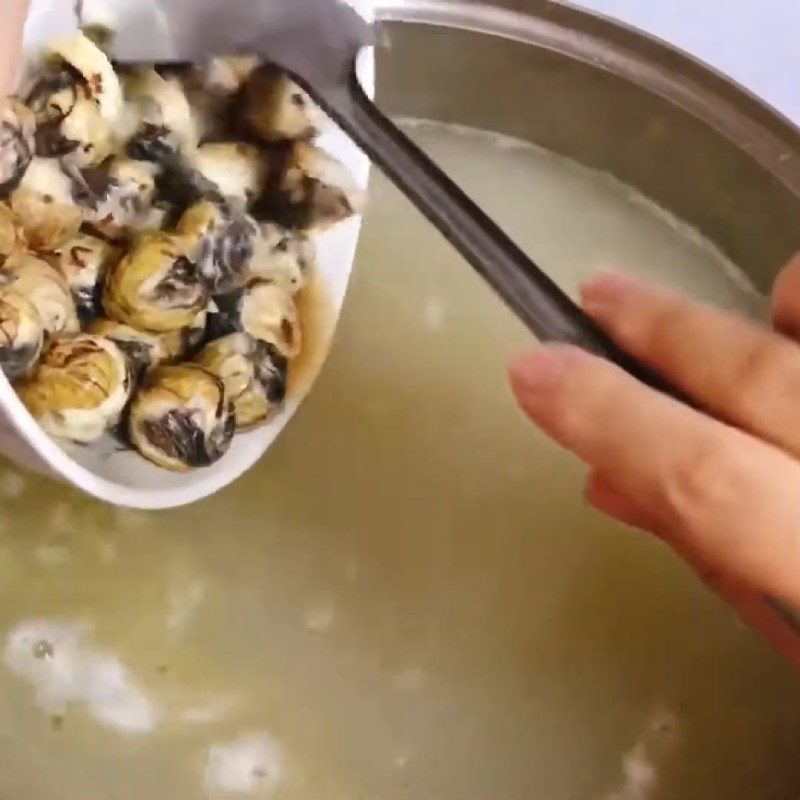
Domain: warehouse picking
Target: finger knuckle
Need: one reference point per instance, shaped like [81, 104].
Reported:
[665, 324]
[585, 403]
[703, 485]
[764, 366]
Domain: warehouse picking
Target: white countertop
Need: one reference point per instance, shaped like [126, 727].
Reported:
[755, 43]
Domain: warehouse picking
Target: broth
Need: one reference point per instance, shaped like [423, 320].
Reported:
[407, 598]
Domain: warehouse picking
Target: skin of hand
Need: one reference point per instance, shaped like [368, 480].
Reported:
[14, 14]
[721, 487]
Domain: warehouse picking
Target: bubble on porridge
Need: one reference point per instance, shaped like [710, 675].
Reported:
[60, 660]
[251, 764]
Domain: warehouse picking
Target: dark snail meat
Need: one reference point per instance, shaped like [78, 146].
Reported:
[181, 418]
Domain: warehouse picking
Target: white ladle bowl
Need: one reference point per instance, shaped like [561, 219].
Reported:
[123, 477]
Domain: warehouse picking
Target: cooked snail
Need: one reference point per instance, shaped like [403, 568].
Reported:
[143, 350]
[81, 138]
[223, 239]
[11, 236]
[184, 343]
[53, 94]
[283, 256]
[80, 388]
[21, 334]
[83, 262]
[180, 418]
[311, 191]
[158, 210]
[236, 170]
[17, 143]
[44, 207]
[147, 350]
[277, 109]
[159, 115]
[264, 310]
[155, 287]
[225, 75]
[117, 196]
[97, 74]
[45, 288]
[254, 374]
[212, 89]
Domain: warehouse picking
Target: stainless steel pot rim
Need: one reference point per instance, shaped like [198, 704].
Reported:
[754, 126]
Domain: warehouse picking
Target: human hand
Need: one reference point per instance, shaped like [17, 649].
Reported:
[721, 487]
[14, 14]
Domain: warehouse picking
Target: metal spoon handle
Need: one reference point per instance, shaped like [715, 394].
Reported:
[547, 311]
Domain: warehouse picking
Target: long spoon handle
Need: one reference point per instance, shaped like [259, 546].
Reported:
[547, 311]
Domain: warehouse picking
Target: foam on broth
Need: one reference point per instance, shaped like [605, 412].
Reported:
[407, 599]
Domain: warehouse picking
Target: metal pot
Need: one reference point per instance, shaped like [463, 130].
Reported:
[608, 97]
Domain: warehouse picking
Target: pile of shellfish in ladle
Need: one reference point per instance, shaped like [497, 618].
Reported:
[155, 228]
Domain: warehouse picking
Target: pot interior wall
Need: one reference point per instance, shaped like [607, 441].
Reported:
[607, 122]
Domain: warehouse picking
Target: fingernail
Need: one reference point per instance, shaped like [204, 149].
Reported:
[540, 371]
[605, 292]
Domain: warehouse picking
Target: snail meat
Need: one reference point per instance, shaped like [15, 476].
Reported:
[311, 190]
[116, 197]
[254, 374]
[224, 239]
[83, 262]
[283, 256]
[21, 334]
[182, 344]
[159, 115]
[156, 286]
[181, 419]
[11, 236]
[45, 288]
[79, 389]
[84, 57]
[265, 311]
[81, 138]
[17, 143]
[236, 170]
[44, 207]
[277, 109]
[143, 350]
